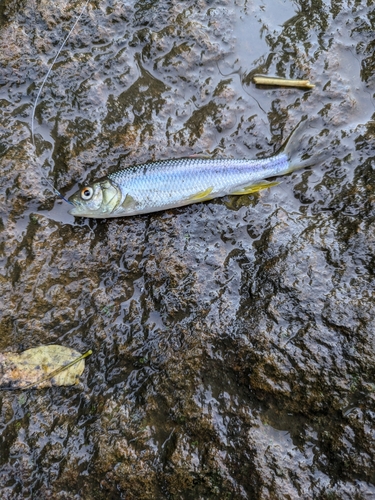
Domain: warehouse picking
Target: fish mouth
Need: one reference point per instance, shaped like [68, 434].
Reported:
[73, 211]
[76, 206]
[80, 210]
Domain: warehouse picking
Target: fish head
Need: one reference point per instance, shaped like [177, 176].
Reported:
[98, 200]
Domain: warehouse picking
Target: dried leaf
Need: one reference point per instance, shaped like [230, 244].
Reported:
[44, 366]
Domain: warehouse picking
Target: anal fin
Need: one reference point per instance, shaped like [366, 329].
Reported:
[253, 188]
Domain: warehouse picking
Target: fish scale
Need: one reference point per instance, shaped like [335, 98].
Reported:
[162, 183]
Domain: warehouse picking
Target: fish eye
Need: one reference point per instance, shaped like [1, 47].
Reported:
[87, 193]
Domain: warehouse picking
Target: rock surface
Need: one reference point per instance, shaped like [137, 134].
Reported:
[234, 340]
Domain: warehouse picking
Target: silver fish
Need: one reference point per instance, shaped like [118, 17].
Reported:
[160, 185]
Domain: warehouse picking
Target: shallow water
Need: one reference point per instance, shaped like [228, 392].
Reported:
[233, 340]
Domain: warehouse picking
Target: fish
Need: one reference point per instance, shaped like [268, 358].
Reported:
[165, 184]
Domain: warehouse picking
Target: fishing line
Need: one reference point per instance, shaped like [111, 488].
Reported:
[41, 88]
[242, 75]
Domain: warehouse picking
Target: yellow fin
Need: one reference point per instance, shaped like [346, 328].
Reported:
[202, 195]
[253, 188]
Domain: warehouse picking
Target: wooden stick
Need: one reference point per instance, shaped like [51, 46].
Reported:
[282, 82]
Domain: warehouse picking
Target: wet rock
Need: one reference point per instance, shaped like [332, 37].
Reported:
[233, 340]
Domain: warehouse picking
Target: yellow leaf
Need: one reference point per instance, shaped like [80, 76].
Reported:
[43, 366]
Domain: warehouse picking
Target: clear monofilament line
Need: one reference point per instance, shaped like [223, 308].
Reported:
[41, 88]
[50, 69]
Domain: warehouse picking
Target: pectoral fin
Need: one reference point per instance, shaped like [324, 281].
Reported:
[129, 202]
[253, 188]
[202, 195]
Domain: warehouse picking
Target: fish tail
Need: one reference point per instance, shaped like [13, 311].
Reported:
[301, 147]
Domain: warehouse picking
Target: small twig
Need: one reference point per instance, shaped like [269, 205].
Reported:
[282, 82]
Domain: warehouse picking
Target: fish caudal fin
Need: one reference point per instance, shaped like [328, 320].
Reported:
[301, 147]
